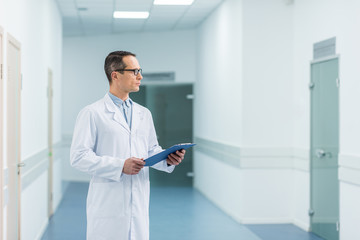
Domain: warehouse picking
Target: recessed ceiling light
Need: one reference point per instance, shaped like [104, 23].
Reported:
[139, 15]
[173, 2]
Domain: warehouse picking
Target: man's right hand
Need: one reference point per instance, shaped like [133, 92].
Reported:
[133, 165]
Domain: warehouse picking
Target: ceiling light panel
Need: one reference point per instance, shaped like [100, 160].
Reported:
[173, 2]
[138, 2]
[103, 2]
[131, 15]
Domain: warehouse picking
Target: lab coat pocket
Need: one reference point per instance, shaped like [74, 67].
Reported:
[107, 199]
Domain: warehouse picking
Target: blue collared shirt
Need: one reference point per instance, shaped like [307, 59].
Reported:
[128, 108]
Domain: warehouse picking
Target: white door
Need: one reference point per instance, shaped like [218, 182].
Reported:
[50, 145]
[13, 117]
[1, 136]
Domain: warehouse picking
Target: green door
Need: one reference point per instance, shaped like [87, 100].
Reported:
[172, 110]
[324, 210]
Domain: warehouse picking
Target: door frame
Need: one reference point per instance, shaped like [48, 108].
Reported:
[1, 133]
[12, 41]
[323, 59]
[50, 143]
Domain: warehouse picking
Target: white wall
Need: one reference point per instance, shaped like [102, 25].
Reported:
[85, 81]
[242, 103]
[267, 73]
[269, 138]
[326, 19]
[37, 25]
[34, 208]
[218, 103]
[218, 88]
[223, 188]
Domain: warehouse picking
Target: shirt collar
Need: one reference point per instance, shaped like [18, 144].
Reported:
[117, 101]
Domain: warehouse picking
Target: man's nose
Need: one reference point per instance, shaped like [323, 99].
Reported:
[139, 76]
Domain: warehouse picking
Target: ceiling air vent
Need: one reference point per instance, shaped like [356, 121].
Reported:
[159, 77]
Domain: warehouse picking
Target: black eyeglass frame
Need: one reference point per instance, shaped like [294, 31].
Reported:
[135, 71]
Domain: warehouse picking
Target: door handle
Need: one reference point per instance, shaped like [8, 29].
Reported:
[22, 164]
[320, 153]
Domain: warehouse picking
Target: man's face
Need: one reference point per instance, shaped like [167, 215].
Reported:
[127, 81]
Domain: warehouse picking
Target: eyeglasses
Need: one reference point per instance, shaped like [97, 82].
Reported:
[136, 71]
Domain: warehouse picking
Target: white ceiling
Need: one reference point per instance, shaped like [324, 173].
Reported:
[98, 17]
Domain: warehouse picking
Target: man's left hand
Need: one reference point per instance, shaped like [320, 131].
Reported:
[176, 158]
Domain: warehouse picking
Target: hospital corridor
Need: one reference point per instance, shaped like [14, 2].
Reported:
[93, 92]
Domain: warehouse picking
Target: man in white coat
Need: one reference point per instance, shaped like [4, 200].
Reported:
[111, 138]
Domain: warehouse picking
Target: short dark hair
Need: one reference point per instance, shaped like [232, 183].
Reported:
[115, 61]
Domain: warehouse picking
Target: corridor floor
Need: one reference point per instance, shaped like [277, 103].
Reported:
[175, 213]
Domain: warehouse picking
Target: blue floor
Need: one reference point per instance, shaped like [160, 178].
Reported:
[175, 213]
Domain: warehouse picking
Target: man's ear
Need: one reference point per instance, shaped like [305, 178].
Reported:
[114, 76]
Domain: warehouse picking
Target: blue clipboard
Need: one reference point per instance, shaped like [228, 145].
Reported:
[164, 154]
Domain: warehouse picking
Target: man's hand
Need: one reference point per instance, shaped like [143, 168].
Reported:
[133, 165]
[176, 158]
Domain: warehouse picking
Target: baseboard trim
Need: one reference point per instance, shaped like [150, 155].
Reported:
[296, 222]
[304, 226]
[266, 221]
[42, 230]
[299, 224]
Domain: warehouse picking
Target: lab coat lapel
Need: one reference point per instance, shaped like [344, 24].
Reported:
[137, 117]
[117, 116]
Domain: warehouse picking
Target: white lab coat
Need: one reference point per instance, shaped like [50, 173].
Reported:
[117, 203]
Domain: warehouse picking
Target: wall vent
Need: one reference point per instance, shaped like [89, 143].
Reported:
[325, 48]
